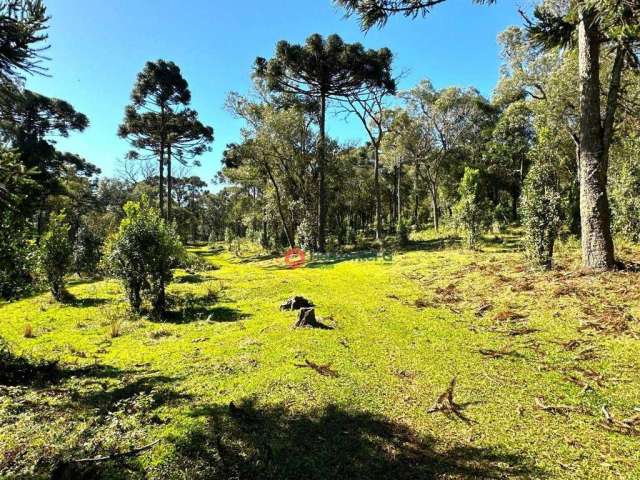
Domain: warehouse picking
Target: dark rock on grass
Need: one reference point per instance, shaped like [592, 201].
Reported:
[296, 303]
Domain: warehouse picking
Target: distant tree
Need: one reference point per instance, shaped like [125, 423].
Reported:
[320, 70]
[452, 118]
[506, 156]
[369, 106]
[470, 210]
[158, 94]
[86, 250]
[55, 254]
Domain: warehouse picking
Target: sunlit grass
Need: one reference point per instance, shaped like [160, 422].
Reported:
[401, 331]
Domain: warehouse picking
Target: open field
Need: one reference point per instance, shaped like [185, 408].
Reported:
[224, 388]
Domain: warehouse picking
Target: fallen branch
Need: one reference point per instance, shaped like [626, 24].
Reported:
[554, 409]
[324, 370]
[447, 405]
[503, 352]
[116, 456]
[627, 426]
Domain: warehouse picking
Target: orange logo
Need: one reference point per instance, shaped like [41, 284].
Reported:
[294, 257]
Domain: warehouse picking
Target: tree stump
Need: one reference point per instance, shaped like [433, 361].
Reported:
[296, 303]
[306, 318]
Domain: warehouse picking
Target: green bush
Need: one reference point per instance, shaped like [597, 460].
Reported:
[541, 211]
[17, 256]
[142, 255]
[470, 211]
[625, 201]
[55, 254]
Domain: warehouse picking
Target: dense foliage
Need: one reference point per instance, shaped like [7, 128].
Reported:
[142, 254]
[55, 254]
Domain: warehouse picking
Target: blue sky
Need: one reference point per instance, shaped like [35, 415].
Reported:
[97, 48]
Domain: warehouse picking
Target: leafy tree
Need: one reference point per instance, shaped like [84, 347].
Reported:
[506, 157]
[451, 119]
[542, 214]
[470, 211]
[30, 125]
[321, 70]
[596, 28]
[369, 107]
[142, 255]
[55, 254]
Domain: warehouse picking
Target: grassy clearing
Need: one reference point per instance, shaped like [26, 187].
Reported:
[221, 384]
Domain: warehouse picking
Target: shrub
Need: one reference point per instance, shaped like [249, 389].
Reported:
[17, 255]
[86, 251]
[402, 233]
[470, 210]
[625, 201]
[541, 211]
[142, 254]
[55, 254]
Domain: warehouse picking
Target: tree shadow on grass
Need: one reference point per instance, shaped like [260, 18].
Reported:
[250, 442]
[433, 244]
[191, 278]
[85, 302]
[197, 313]
[18, 370]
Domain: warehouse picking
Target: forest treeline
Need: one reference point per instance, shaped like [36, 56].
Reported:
[554, 149]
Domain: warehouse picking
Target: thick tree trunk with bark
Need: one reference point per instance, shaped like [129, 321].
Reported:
[597, 242]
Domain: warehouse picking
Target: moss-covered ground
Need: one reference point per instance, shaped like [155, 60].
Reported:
[222, 388]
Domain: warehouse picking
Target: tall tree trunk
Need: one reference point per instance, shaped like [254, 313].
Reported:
[322, 152]
[161, 180]
[399, 189]
[287, 231]
[416, 198]
[597, 242]
[434, 205]
[376, 186]
[169, 181]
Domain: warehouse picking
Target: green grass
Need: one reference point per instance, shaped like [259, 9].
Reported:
[400, 331]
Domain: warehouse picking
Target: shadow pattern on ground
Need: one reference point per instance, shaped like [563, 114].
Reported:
[250, 442]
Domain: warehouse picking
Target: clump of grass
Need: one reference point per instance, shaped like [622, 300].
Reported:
[28, 331]
[158, 334]
[115, 329]
[214, 291]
